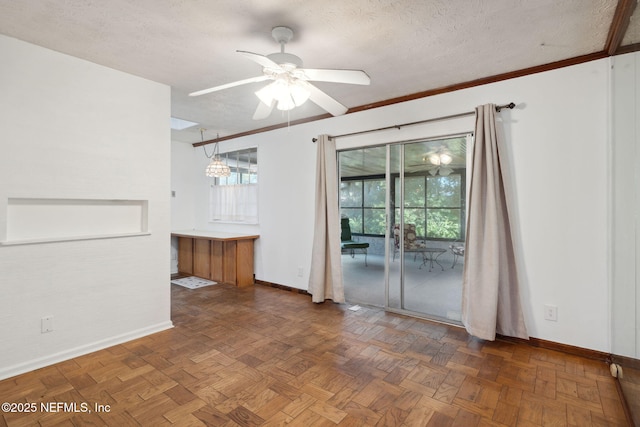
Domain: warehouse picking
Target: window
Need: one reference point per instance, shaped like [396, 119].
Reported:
[435, 204]
[434, 194]
[243, 165]
[363, 202]
[235, 198]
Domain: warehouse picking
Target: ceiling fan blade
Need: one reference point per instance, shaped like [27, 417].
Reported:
[263, 111]
[323, 100]
[228, 85]
[354, 77]
[260, 59]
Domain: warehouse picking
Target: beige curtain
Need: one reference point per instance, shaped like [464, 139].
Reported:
[325, 274]
[490, 294]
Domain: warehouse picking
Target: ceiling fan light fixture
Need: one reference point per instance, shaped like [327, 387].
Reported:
[285, 104]
[445, 158]
[282, 94]
[299, 93]
[434, 159]
[287, 94]
[438, 159]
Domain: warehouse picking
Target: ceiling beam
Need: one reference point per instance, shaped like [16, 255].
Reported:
[264, 129]
[473, 83]
[619, 25]
[628, 49]
[486, 80]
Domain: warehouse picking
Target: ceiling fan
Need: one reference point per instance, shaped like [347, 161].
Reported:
[290, 85]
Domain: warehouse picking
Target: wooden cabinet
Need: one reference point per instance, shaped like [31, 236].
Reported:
[244, 263]
[202, 258]
[185, 255]
[221, 257]
[217, 251]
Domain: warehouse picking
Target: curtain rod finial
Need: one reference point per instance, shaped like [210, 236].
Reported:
[510, 106]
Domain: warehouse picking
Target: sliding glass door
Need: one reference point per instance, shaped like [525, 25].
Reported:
[427, 221]
[416, 247]
[363, 189]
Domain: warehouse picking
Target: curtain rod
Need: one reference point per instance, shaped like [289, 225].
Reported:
[510, 106]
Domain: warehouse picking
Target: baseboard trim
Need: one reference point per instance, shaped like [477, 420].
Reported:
[42, 362]
[282, 287]
[563, 348]
[626, 361]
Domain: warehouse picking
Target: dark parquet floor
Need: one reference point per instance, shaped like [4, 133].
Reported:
[268, 357]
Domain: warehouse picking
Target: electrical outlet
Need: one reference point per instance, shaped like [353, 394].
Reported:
[300, 271]
[551, 312]
[47, 324]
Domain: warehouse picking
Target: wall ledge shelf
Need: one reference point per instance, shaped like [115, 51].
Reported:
[71, 239]
[213, 235]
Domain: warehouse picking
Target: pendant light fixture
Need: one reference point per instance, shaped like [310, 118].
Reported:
[216, 168]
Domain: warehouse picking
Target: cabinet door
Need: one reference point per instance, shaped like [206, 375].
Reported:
[185, 255]
[244, 263]
[229, 262]
[217, 254]
[202, 258]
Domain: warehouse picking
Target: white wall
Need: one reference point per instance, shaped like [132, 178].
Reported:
[625, 258]
[71, 129]
[184, 178]
[558, 136]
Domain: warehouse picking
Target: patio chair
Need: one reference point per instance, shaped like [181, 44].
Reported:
[458, 251]
[411, 242]
[348, 244]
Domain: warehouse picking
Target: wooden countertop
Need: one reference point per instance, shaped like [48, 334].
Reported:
[213, 235]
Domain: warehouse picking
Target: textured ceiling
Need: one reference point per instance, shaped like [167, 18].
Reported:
[406, 46]
[632, 36]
